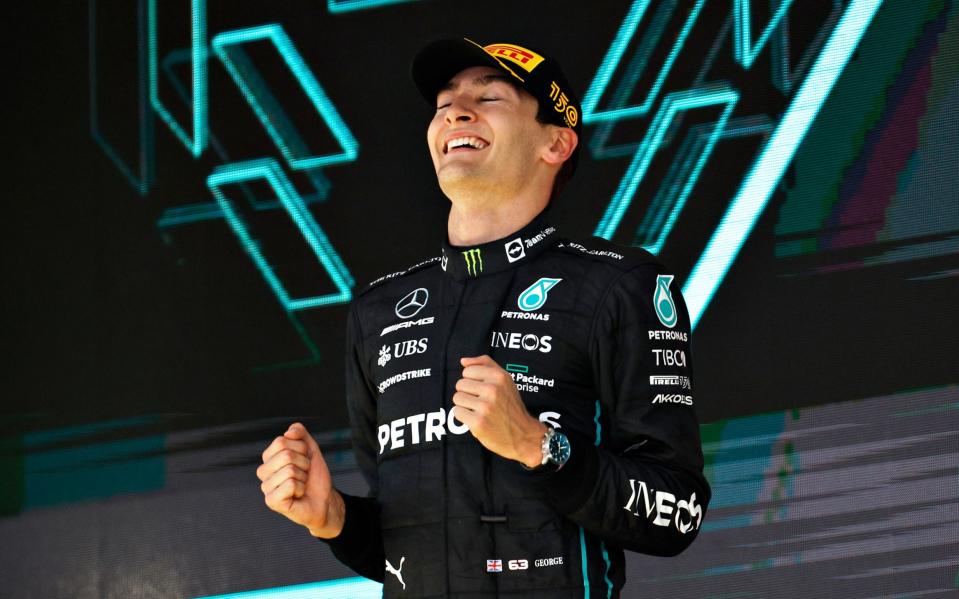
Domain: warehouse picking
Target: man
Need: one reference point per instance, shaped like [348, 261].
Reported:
[521, 404]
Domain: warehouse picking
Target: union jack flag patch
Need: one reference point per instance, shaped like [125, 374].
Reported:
[494, 565]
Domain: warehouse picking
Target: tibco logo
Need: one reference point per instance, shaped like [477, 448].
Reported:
[670, 357]
[529, 341]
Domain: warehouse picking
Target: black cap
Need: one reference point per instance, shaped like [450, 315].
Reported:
[535, 72]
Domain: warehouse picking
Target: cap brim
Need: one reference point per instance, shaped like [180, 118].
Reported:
[440, 60]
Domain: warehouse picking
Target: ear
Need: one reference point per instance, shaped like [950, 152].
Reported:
[563, 142]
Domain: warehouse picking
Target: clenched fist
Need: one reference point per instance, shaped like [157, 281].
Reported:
[488, 403]
[296, 483]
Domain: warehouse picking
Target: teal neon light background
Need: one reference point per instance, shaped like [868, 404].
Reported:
[789, 160]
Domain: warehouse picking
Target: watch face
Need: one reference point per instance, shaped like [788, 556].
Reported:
[559, 448]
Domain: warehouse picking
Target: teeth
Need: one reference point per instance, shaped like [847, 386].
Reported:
[473, 142]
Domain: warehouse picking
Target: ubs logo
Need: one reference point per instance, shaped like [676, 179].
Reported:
[411, 303]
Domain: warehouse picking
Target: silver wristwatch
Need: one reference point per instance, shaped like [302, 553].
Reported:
[556, 448]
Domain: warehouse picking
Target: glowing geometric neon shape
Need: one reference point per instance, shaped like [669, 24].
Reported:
[624, 88]
[295, 158]
[342, 588]
[743, 49]
[269, 169]
[673, 104]
[743, 212]
[673, 193]
[615, 54]
[198, 38]
[143, 179]
[197, 212]
[337, 6]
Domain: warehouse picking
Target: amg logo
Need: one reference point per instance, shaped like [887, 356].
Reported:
[406, 325]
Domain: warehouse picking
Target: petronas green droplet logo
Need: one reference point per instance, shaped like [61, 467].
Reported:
[663, 301]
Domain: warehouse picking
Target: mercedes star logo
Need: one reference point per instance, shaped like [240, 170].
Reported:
[412, 303]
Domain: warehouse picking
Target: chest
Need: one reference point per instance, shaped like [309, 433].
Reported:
[531, 322]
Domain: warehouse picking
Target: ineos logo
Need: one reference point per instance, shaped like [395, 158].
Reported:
[412, 303]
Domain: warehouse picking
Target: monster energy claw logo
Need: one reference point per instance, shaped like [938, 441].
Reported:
[474, 261]
[663, 301]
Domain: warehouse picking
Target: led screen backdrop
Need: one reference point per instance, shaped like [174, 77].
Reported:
[197, 189]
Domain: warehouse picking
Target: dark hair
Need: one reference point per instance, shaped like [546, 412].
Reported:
[542, 117]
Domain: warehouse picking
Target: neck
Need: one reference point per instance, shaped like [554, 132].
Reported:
[474, 225]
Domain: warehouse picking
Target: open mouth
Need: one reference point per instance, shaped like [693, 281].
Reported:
[467, 143]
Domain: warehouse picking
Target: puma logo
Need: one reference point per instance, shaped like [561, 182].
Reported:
[397, 572]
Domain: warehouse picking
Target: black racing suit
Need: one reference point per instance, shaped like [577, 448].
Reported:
[596, 337]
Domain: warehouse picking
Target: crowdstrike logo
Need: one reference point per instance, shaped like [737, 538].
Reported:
[403, 376]
[664, 506]
[474, 261]
[411, 303]
[515, 250]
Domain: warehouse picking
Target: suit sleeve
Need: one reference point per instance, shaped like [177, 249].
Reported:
[638, 482]
[360, 544]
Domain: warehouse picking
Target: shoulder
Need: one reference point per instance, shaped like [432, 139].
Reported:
[378, 303]
[623, 279]
[615, 259]
[384, 280]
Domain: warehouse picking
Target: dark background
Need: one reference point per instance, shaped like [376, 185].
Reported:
[118, 327]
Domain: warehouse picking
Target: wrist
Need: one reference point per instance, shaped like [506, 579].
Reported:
[532, 454]
[335, 518]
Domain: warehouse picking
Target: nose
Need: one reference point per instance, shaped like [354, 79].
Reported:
[459, 110]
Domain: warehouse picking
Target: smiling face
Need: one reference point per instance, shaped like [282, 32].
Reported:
[484, 139]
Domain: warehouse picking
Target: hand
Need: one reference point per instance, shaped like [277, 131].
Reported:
[297, 483]
[488, 403]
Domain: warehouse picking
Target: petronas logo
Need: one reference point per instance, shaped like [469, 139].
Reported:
[474, 261]
[534, 296]
[663, 301]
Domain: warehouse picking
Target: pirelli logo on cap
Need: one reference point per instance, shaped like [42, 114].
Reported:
[520, 56]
